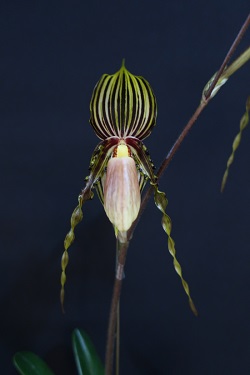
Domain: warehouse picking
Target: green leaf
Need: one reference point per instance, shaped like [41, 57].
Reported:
[28, 363]
[87, 360]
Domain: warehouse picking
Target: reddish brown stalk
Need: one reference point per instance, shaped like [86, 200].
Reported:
[114, 305]
[164, 165]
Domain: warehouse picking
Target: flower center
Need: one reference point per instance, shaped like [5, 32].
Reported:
[122, 151]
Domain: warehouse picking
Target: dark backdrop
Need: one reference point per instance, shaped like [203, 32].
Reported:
[52, 54]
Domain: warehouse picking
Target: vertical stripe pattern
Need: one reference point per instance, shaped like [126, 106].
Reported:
[123, 105]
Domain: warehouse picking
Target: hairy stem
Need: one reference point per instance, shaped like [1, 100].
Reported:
[124, 246]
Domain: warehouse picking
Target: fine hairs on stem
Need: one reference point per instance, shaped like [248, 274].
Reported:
[208, 94]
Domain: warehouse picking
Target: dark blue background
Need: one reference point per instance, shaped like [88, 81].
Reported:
[52, 54]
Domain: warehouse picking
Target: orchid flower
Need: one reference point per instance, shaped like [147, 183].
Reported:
[123, 113]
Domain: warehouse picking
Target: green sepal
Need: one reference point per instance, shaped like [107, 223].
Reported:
[243, 123]
[28, 363]
[161, 203]
[86, 358]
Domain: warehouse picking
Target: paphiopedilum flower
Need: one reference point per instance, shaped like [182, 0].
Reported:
[123, 112]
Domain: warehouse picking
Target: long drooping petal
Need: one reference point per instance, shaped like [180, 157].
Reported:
[243, 123]
[98, 164]
[123, 105]
[161, 202]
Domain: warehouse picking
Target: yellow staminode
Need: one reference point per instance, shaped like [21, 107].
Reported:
[122, 151]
